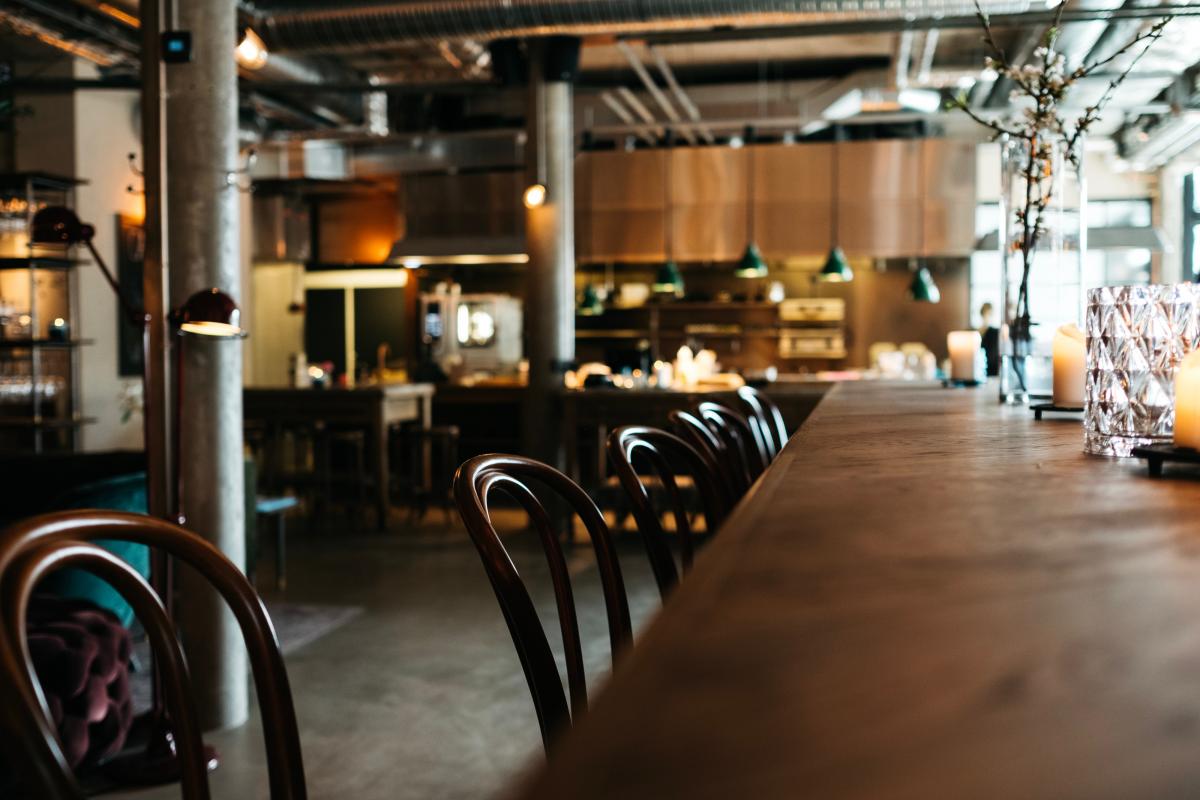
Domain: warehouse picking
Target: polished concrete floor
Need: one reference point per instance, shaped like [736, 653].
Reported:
[420, 695]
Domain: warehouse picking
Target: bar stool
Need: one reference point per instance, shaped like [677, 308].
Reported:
[341, 463]
[440, 444]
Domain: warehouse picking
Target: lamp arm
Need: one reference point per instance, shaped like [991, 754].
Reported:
[135, 316]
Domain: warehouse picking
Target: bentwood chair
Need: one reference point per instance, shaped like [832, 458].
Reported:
[695, 432]
[770, 419]
[474, 485]
[664, 453]
[740, 434]
[31, 549]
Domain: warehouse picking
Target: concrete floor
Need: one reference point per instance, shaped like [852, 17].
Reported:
[421, 695]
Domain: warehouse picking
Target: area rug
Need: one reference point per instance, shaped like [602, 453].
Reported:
[297, 625]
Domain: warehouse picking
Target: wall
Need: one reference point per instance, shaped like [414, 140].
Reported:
[102, 160]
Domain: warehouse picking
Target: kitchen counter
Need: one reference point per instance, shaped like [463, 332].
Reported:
[926, 595]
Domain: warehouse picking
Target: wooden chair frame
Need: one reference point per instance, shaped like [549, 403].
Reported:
[33, 548]
[699, 435]
[770, 418]
[663, 451]
[741, 435]
[474, 484]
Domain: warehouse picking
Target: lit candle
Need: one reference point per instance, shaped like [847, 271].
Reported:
[1187, 402]
[1070, 356]
[964, 349]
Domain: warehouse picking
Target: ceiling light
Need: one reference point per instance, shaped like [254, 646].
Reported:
[251, 52]
[924, 100]
[535, 196]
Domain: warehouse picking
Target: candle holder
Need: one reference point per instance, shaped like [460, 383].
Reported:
[1158, 454]
[1051, 408]
[1136, 337]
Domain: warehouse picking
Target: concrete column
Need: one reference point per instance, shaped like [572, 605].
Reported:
[203, 247]
[550, 239]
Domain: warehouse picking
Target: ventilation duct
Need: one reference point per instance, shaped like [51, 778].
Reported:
[389, 25]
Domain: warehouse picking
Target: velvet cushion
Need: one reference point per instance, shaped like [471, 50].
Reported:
[81, 655]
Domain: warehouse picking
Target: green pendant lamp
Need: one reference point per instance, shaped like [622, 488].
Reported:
[752, 264]
[923, 289]
[668, 279]
[836, 269]
[590, 304]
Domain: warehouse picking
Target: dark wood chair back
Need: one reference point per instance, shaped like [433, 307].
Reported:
[741, 435]
[730, 468]
[31, 549]
[664, 453]
[770, 418]
[474, 484]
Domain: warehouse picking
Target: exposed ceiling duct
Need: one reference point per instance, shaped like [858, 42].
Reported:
[389, 25]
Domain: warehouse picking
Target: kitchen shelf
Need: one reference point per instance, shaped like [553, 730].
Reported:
[42, 344]
[39, 262]
[44, 423]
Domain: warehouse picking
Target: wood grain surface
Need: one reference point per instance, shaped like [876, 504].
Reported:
[926, 595]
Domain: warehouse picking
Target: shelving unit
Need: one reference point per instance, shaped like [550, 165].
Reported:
[39, 404]
[745, 334]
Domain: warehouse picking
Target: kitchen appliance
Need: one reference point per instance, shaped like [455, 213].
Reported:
[471, 332]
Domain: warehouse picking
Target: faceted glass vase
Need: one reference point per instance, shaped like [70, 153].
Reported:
[1136, 337]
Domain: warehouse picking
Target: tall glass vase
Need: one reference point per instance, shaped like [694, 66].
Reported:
[1043, 242]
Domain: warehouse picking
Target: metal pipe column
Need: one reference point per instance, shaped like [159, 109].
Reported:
[202, 208]
[550, 239]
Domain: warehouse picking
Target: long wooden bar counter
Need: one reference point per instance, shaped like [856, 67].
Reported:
[927, 595]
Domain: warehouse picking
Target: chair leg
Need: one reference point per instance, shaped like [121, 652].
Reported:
[280, 552]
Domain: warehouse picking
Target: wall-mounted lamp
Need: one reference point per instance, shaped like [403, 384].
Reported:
[535, 196]
[210, 312]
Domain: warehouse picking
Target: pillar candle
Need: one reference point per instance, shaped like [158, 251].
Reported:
[964, 350]
[1070, 359]
[1187, 402]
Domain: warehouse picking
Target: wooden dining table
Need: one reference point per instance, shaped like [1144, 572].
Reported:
[927, 595]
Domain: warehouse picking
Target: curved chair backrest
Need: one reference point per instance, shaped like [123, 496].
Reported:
[31, 549]
[664, 452]
[770, 418]
[474, 484]
[741, 434]
[695, 432]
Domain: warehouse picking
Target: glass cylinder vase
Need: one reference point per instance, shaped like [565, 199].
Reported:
[1043, 244]
[1136, 337]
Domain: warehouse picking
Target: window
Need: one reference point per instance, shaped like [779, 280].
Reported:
[1055, 297]
[1191, 228]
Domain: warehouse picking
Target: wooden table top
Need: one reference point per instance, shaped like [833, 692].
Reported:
[927, 595]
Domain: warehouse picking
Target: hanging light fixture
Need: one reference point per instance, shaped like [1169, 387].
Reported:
[836, 269]
[668, 279]
[923, 289]
[752, 264]
[251, 52]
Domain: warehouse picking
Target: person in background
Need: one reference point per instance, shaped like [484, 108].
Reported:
[991, 339]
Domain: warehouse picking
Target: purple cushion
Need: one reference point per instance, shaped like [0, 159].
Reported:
[81, 656]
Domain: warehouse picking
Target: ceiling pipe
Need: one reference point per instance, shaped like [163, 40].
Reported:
[661, 99]
[685, 102]
[640, 109]
[928, 53]
[902, 60]
[622, 113]
[383, 25]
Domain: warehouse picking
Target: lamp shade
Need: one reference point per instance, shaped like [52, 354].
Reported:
[836, 269]
[923, 289]
[668, 279]
[59, 225]
[752, 264]
[210, 312]
[590, 304]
